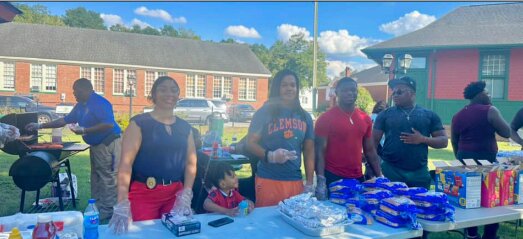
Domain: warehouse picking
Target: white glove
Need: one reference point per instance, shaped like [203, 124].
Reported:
[308, 188]
[8, 133]
[321, 187]
[33, 126]
[121, 217]
[281, 156]
[182, 205]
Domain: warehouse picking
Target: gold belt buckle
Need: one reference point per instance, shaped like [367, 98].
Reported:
[150, 182]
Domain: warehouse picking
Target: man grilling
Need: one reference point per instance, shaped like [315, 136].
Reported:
[94, 116]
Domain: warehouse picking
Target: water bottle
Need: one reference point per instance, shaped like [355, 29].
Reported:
[243, 208]
[56, 136]
[91, 220]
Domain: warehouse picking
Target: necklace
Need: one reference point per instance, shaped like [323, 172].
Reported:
[350, 115]
[408, 114]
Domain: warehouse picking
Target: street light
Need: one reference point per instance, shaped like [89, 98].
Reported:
[131, 81]
[391, 69]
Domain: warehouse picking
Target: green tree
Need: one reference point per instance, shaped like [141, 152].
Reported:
[83, 18]
[37, 14]
[150, 31]
[119, 28]
[296, 55]
[365, 101]
[188, 33]
[228, 40]
[168, 30]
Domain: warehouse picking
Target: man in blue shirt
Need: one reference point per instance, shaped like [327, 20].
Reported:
[94, 116]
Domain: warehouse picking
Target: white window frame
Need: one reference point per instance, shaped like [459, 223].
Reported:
[156, 75]
[126, 74]
[45, 79]
[93, 80]
[193, 93]
[249, 82]
[3, 76]
[221, 86]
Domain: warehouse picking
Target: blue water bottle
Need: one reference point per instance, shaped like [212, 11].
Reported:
[91, 220]
[243, 208]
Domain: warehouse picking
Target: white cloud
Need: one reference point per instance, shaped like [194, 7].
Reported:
[156, 13]
[242, 31]
[140, 23]
[181, 20]
[111, 19]
[334, 68]
[342, 43]
[409, 22]
[285, 31]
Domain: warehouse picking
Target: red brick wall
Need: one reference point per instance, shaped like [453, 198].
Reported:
[515, 90]
[67, 74]
[454, 70]
[378, 92]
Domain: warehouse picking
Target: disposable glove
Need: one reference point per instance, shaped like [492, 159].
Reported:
[308, 188]
[182, 205]
[33, 126]
[281, 156]
[121, 217]
[321, 187]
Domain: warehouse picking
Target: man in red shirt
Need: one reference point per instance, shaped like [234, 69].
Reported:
[341, 134]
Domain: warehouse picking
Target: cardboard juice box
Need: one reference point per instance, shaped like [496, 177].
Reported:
[506, 190]
[461, 184]
[518, 186]
[490, 186]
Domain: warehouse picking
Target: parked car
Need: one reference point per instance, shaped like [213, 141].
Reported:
[199, 110]
[24, 104]
[241, 112]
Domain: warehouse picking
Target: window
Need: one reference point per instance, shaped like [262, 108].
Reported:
[7, 76]
[121, 80]
[195, 86]
[96, 76]
[150, 77]
[418, 63]
[494, 73]
[222, 86]
[247, 89]
[43, 78]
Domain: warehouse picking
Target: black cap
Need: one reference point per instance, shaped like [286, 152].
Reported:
[405, 80]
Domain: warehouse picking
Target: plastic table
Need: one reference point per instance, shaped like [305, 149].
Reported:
[261, 223]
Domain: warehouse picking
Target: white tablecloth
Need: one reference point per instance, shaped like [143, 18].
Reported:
[475, 217]
[262, 223]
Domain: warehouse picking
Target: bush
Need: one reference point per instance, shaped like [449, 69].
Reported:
[122, 119]
[365, 101]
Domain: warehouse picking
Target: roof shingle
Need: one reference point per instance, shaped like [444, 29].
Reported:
[100, 46]
[469, 26]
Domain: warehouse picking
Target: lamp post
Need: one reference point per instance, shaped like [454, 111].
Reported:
[389, 67]
[131, 81]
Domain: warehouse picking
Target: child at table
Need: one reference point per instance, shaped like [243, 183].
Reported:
[224, 198]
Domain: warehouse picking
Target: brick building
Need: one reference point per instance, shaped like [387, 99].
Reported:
[375, 81]
[46, 60]
[471, 43]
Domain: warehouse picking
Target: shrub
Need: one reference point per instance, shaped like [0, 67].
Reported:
[122, 119]
[365, 101]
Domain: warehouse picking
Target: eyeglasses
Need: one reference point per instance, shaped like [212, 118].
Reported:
[400, 92]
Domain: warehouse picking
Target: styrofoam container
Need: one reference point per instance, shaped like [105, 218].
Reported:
[316, 232]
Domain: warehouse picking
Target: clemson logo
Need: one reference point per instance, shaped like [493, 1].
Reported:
[288, 134]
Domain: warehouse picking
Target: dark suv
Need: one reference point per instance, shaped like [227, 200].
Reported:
[24, 104]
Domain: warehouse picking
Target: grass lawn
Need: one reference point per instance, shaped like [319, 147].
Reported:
[80, 166]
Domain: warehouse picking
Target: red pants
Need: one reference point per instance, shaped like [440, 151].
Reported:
[148, 204]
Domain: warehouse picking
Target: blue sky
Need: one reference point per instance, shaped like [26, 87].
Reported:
[343, 27]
